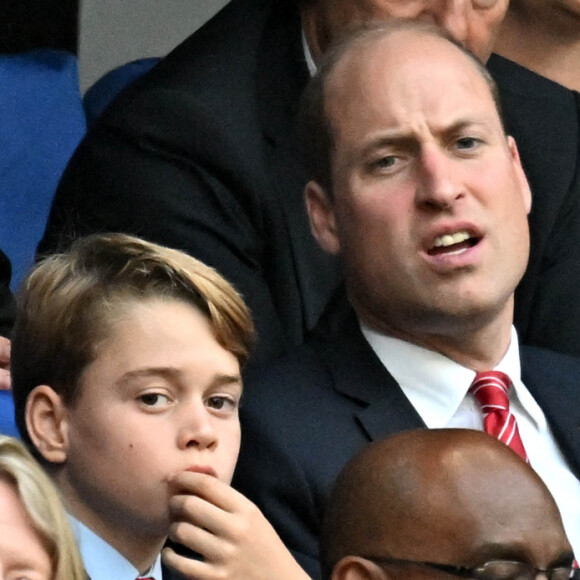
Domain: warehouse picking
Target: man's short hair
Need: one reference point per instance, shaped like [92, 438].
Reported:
[41, 502]
[315, 127]
[68, 303]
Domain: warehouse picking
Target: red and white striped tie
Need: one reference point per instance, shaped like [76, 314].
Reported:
[490, 389]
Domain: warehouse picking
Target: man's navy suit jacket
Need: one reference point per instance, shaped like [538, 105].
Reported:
[201, 154]
[312, 411]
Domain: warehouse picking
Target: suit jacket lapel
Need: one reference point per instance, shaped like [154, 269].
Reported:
[359, 375]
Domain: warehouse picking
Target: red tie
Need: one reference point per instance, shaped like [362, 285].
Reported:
[490, 390]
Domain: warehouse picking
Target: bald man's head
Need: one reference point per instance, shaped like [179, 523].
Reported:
[447, 496]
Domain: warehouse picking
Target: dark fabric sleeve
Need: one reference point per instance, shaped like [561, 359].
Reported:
[7, 307]
[291, 422]
[553, 319]
[166, 172]
[269, 473]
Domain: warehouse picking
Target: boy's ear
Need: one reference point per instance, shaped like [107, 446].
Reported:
[357, 568]
[46, 423]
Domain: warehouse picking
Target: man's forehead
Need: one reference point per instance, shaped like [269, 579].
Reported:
[410, 53]
[375, 85]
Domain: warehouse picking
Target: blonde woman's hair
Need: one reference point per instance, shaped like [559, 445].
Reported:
[42, 503]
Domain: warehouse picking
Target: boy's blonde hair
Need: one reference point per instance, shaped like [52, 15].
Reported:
[68, 303]
[42, 503]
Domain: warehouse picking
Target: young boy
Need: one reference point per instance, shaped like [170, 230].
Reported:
[126, 378]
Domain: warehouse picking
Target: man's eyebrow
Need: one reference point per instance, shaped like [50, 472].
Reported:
[465, 123]
[403, 140]
[408, 139]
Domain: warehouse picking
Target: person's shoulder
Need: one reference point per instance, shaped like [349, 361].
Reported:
[545, 360]
[516, 79]
[209, 82]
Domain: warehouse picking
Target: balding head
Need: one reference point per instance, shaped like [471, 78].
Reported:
[315, 123]
[432, 496]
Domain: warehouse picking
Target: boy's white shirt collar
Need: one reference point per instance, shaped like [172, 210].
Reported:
[102, 561]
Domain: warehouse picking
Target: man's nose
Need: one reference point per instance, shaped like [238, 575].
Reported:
[453, 17]
[197, 427]
[439, 183]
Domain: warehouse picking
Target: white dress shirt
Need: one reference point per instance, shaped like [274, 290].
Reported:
[102, 561]
[438, 389]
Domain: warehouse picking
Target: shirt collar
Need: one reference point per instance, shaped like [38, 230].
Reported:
[436, 385]
[102, 561]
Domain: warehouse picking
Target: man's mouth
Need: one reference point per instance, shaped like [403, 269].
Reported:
[452, 244]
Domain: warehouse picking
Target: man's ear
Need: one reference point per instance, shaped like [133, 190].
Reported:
[46, 423]
[525, 187]
[356, 568]
[322, 218]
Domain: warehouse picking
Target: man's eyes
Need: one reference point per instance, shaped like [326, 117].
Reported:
[468, 143]
[383, 164]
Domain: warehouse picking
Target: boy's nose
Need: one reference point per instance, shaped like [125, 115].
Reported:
[198, 428]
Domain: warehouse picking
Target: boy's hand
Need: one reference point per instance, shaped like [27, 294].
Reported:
[228, 530]
[4, 364]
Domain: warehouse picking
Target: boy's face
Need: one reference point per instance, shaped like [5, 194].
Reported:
[161, 397]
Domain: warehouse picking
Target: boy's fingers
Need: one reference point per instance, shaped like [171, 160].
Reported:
[197, 539]
[213, 490]
[199, 512]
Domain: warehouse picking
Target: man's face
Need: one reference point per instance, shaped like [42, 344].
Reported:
[429, 199]
[22, 553]
[161, 397]
[473, 23]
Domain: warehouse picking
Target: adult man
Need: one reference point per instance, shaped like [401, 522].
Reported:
[427, 503]
[425, 201]
[201, 155]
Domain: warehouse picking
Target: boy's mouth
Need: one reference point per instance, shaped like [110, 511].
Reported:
[202, 469]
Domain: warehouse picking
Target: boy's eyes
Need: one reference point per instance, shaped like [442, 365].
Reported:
[224, 403]
[154, 399]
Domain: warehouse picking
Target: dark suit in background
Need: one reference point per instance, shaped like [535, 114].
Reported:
[201, 155]
[7, 307]
[312, 411]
